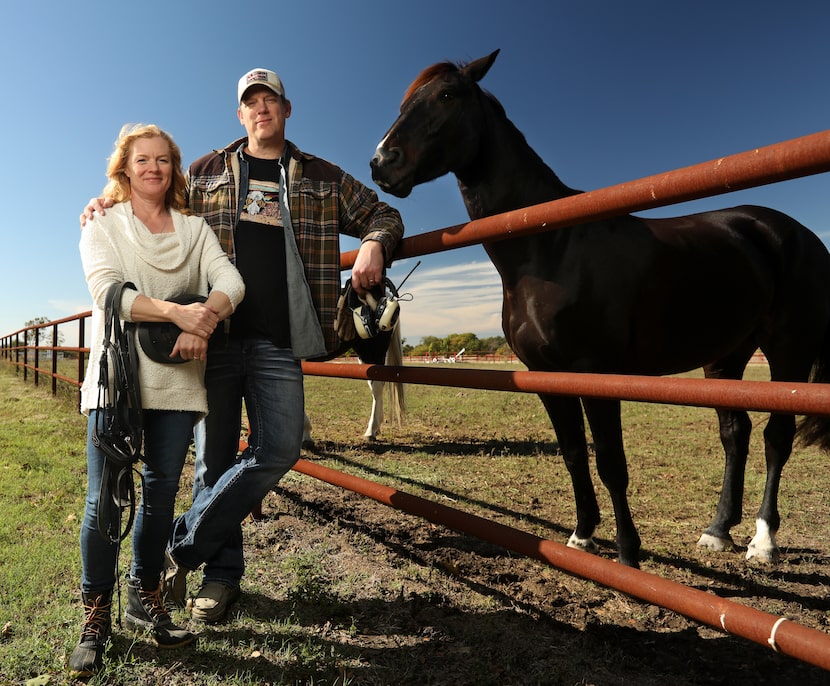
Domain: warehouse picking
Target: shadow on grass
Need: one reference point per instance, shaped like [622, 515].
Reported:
[752, 580]
[422, 639]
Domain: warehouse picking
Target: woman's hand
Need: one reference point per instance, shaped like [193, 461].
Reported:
[190, 347]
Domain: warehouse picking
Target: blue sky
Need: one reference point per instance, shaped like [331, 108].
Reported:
[605, 91]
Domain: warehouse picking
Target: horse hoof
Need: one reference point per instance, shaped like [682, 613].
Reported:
[718, 544]
[586, 545]
[762, 554]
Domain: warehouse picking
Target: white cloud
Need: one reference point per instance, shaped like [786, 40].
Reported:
[458, 298]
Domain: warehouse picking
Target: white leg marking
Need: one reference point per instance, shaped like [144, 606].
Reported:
[585, 544]
[716, 543]
[307, 439]
[763, 546]
[376, 417]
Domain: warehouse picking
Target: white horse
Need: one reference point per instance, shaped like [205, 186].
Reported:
[392, 355]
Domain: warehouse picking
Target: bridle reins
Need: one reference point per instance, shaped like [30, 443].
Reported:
[118, 428]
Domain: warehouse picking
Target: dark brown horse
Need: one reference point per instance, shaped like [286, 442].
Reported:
[626, 295]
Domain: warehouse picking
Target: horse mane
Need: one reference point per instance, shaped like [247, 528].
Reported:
[439, 69]
[428, 75]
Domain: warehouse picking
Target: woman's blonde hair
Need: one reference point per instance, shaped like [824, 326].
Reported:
[118, 187]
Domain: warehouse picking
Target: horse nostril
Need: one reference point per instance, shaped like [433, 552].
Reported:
[386, 157]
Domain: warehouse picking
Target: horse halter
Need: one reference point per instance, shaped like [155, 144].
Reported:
[376, 314]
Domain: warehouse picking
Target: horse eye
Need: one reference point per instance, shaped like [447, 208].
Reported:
[445, 96]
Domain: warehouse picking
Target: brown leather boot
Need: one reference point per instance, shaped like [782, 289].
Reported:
[88, 655]
[145, 610]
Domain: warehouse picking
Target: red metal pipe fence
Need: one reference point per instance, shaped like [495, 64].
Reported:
[769, 396]
[779, 162]
[23, 350]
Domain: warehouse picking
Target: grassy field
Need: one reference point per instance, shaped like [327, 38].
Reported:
[343, 591]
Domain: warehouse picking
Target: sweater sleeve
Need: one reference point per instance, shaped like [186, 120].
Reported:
[102, 265]
[366, 217]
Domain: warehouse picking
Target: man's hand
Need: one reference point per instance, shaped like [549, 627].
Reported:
[196, 319]
[367, 271]
[98, 205]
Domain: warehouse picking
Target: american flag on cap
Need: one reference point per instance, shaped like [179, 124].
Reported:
[261, 76]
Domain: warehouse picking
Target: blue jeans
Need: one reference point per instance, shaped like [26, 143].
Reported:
[167, 435]
[227, 486]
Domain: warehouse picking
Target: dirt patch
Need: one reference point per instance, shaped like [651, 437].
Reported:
[428, 605]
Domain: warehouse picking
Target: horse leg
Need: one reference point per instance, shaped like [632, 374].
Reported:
[376, 416]
[735, 428]
[308, 441]
[606, 428]
[385, 348]
[395, 389]
[566, 416]
[778, 443]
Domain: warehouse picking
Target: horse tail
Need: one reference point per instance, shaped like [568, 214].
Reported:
[815, 429]
[394, 357]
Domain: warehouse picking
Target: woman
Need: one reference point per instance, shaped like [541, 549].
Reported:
[148, 239]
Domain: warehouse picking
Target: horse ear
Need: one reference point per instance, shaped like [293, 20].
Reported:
[477, 69]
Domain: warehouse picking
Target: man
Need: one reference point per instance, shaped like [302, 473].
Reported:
[278, 212]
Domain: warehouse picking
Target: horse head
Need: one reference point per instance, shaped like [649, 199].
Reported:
[438, 130]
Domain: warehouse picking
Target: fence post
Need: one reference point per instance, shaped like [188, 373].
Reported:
[37, 357]
[81, 361]
[54, 359]
[25, 359]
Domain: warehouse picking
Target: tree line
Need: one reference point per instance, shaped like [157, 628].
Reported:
[455, 342]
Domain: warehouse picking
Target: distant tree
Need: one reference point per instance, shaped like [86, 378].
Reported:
[462, 341]
[45, 335]
[504, 349]
[493, 343]
[30, 333]
[432, 346]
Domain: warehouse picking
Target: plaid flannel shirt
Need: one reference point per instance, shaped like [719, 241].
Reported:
[324, 202]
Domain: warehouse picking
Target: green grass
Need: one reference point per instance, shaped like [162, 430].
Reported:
[42, 490]
[311, 614]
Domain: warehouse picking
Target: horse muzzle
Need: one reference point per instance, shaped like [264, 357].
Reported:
[386, 165]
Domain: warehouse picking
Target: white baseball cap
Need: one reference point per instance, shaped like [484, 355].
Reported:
[260, 77]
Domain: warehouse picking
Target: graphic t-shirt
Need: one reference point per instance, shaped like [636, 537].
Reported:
[260, 258]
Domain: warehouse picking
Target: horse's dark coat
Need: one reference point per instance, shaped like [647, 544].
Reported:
[626, 295]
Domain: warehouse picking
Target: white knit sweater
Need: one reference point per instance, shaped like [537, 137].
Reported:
[118, 247]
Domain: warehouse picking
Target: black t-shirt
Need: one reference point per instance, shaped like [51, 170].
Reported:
[260, 258]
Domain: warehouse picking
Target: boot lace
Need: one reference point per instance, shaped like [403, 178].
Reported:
[154, 605]
[96, 619]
